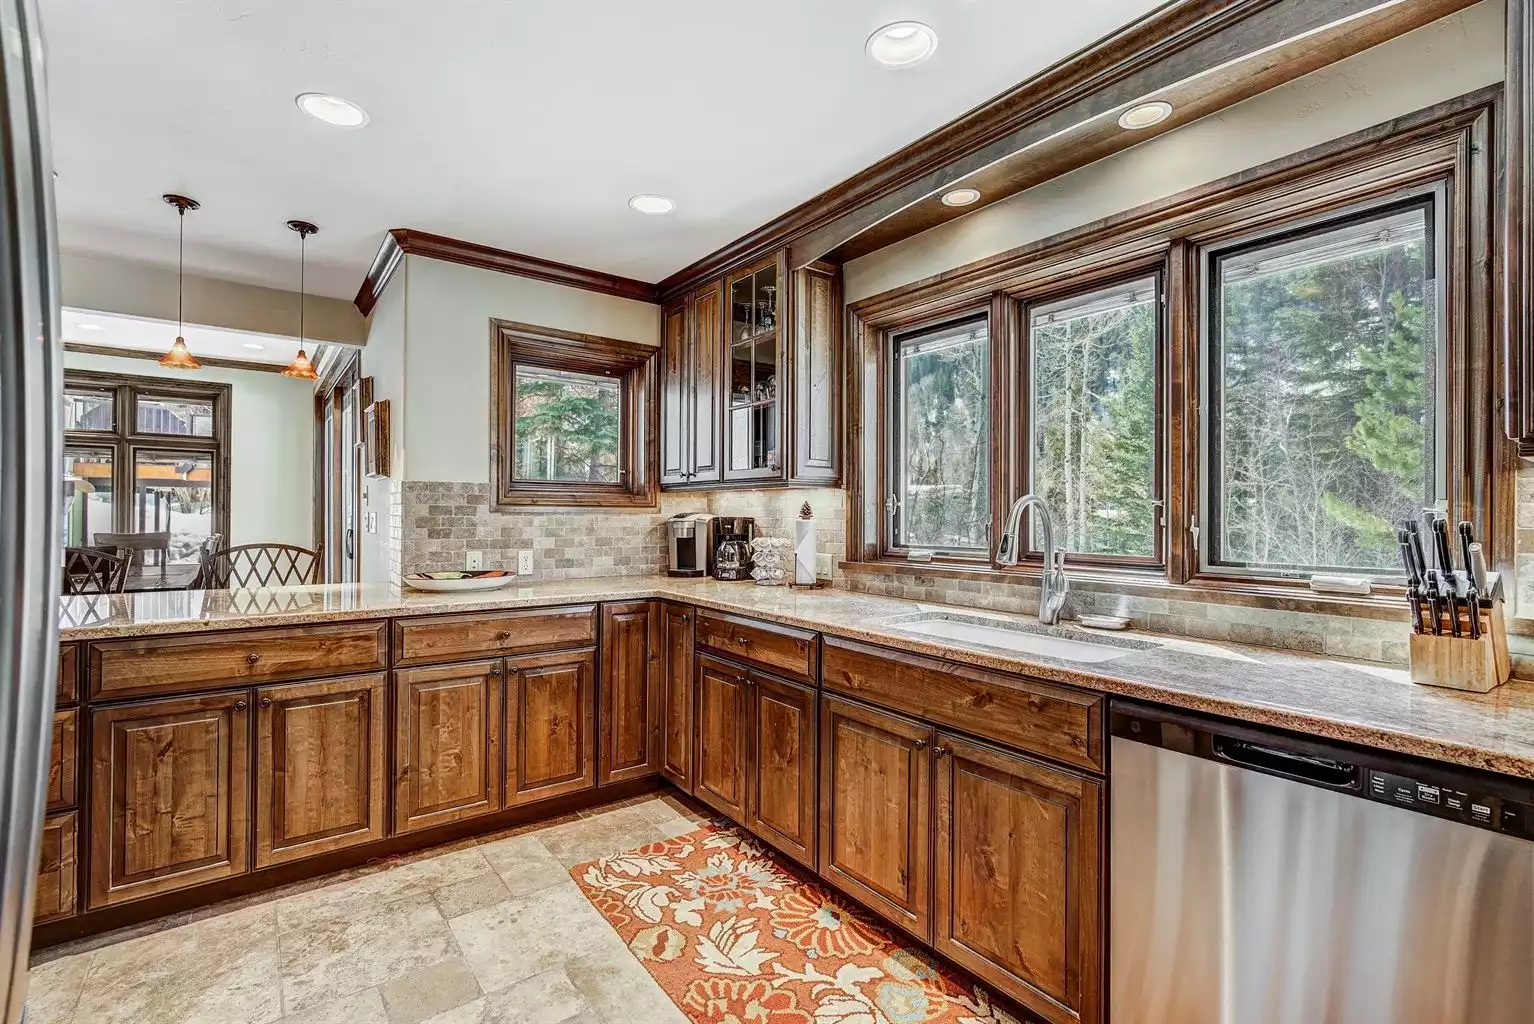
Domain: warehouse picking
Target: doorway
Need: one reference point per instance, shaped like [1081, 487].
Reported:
[339, 483]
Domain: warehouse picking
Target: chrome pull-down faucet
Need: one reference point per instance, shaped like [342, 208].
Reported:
[1054, 584]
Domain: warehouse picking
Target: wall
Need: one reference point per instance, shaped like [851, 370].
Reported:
[270, 450]
[383, 359]
[1448, 58]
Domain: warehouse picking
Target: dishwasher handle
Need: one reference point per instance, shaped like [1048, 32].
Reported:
[1319, 771]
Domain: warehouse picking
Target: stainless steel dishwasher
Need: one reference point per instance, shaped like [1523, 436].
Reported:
[1259, 877]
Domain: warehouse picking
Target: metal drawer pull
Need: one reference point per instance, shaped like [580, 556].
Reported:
[251, 659]
[503, 635]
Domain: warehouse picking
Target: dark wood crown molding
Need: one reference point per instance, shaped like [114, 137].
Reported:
[401, 242]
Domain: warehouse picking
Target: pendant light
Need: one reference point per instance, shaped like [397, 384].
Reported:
[179, 357]
[301, 367]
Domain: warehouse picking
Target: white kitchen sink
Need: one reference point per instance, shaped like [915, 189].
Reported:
[1046, 641]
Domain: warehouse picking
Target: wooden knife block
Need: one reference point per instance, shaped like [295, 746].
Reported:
[1460, 663]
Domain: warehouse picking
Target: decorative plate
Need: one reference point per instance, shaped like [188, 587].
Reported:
[459, 581]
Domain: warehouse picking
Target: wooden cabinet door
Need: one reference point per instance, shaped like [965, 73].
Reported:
[875, 810]
[63, 760]
[723, 753]
[781, 804]
[814, 356]
[56, 866]
[705, 357]
[675, 400]
[319, 767]
[631, 735]
[170, 795]
[1019, 894]
[676, 684]
[550, 712]
[447, 743]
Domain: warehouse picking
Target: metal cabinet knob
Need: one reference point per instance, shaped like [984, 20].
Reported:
[495, 670]
[504, 634]
[941, 751]
[239, 705]
[266, 702]
[251, 659]
[920, 744]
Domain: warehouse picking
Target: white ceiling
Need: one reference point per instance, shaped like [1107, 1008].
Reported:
[141, 334]
[522, 124]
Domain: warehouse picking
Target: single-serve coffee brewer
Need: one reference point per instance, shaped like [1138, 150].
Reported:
[692, 539]
[732, 559]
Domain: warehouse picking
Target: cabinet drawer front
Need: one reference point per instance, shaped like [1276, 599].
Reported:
[782, 649]
[203, 661]
[69, 674]
[63, 761]
[56, 870]
[1053, 721]
[458, 637]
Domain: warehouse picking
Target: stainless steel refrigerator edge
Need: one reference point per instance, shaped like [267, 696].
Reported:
[30, 386]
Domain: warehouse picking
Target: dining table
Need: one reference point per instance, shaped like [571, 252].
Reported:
[155, 577]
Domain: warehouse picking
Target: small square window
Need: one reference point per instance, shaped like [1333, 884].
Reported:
[568, 427]
[173, 416]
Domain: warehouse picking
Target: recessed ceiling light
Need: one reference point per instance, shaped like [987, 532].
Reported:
[1143, 115]
[961, 196]
[902, 44]
[85, 325]
[333, 110]
[652, 204]
[254, 346]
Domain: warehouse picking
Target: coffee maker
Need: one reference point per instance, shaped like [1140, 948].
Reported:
[732, 560]
[692, 538]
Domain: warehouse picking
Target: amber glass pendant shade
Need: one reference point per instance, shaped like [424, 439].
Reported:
[301, 368]
[180, 357]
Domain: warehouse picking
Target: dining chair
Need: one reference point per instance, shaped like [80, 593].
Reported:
[204, 578]
[137, 547]
[262, 565]
[88, 571]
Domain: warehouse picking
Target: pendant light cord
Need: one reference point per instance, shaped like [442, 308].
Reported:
[180, 268]
[303, 259]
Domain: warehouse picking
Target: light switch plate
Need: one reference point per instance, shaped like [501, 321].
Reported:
[476, 560]
[524, 563]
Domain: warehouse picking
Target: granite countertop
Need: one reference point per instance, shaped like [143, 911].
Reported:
[1350, 701]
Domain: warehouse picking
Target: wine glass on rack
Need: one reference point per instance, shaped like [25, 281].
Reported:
[767, 317]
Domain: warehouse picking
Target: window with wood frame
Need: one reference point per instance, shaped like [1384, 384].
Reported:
[145, 455]
[572, 418]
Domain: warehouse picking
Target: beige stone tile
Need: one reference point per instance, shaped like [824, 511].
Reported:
[53, 989]
[619, 988]
[329, 956]
[218, 970]
[525, 864]
[429, 991]
[356, 896]
[546, 998]
[531, 934]
[674, 816]
[601, 835]
[365, 1007]
[470, 894]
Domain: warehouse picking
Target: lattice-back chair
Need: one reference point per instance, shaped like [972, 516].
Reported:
[205, 552]
[261, 565]
[88, 571]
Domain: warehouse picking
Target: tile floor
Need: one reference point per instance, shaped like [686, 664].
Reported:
[487, 931]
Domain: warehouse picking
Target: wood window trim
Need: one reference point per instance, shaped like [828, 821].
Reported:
[125, 440]
[1451, 140]
[632, 364]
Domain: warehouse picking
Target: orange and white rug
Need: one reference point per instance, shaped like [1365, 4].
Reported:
[735, 936]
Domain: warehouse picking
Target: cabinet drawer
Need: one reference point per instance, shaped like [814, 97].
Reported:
[458, 637]
[63, 761]
[56, 872]
[1053, 721]
[203, 661]
[69, 674]
[782, 649]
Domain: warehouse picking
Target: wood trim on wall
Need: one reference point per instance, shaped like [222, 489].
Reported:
[126, 353]
[1517, 168]
[402, 242]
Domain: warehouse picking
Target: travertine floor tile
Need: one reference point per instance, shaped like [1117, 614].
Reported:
[54, 988]
[619, 988]
[525, 864]
[430, 991]
[471, 894]
[531, 934]
[220, 970]
[612, 831]
[358, 895]
[546, 998]
[365, 1007]
[329, 956]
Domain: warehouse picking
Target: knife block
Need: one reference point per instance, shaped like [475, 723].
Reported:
[1460, 663]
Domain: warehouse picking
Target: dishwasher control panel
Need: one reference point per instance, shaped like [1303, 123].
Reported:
[1481, 810]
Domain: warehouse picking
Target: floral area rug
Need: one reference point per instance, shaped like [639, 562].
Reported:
[735, 936]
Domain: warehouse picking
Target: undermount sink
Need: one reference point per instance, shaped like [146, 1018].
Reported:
[1060, 642]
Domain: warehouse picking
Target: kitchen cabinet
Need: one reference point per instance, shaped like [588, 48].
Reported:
[170, 795]
[753, 434]
[814, 373]
[723, 719]
[676, 683]
[319, 766]
[447, 743]
[876, 810]
[1018, 888]
[692, 346]
[63, 759]
[550, 742]
[631, 663]
[780, 805]
[57, 869]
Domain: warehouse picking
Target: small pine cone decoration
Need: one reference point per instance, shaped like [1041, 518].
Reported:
[804, 511]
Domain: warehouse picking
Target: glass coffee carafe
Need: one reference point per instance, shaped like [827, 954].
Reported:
[732, 560]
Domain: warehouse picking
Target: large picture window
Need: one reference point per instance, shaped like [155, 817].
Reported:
[1325, 348]
[145, 455]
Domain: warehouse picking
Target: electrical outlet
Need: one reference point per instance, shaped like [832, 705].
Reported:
[524, 563]
[476, 560]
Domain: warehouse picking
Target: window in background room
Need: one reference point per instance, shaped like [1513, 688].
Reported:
[941, 450]
[87, 495]
[1325, 358]
[183, 417]
[90, 409]
[173, 493]
[1095, 450]
[568, 426]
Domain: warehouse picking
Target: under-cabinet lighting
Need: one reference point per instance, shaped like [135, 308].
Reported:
[1145, 115]
[961, 197]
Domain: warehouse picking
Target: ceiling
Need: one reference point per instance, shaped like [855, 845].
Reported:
[140, 334]
[521, 125]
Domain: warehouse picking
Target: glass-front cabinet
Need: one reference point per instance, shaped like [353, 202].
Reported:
[753, 435]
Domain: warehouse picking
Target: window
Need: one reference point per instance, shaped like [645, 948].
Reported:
[143, 455]
[941, 451]
[1095, 453]
[1325, 350]
[571, 417]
